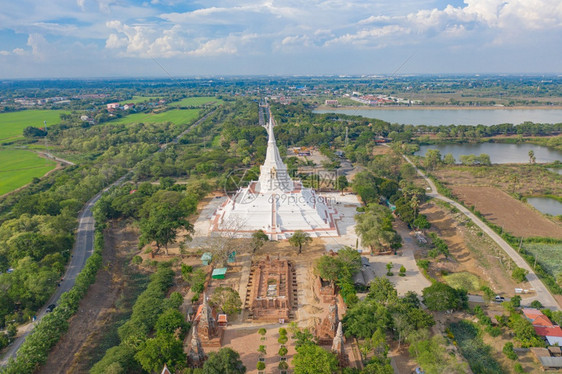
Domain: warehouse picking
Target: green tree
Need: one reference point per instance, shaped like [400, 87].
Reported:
[449, 159]
[226, 299]
[382, 291]
[519, 274]
[225, 361]
[258, 239]
[312, 359]
[342, 183]
[432, 158]
[162, 225]
[170, 322]
[375, 228]
[442, 297]
[164, 349]
[299, 239]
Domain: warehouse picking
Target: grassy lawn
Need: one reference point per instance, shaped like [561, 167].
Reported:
[19, 167]
[465, 280]
[175, 116]
[138, 99]
[13, 123]
[548, 255]
[196, 101]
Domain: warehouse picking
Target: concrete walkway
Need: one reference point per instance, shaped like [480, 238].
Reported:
[542, 293]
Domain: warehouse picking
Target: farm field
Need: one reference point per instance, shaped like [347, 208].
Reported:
[196, 101]
[548, 255]
[19, 167]
[526, 180]
[175, 116]
[505, 211]
[13, 123]
[138, 99]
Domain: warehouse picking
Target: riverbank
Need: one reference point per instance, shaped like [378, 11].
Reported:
[436, 107]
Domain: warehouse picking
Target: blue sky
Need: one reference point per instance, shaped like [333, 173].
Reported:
[123, 38]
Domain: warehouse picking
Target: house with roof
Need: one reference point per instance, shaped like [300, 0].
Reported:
[543, 326]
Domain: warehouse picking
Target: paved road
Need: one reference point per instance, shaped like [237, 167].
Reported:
[83, 249]
[542, 293]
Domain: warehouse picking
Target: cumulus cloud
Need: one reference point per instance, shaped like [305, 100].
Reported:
[39, 46]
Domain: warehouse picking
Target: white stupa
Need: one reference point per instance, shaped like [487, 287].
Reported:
[275, 204]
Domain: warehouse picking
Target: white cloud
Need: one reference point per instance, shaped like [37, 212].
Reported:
[39, 46]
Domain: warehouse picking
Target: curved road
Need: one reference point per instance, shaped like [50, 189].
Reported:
[83, 249]
[542, 293]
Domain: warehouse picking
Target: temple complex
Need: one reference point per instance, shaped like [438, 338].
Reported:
[275, 204]
[271, 293]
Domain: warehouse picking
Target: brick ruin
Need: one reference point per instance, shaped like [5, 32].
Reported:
[272, 290]
[327, 329]
[209, 332]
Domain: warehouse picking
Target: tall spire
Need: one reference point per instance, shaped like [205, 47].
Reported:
[338, 344]
[274, 176]
[196, 353]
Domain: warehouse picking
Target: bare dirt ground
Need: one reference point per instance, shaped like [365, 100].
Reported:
[471, 253]
[98, 309]
[503, 210]
[526, 180]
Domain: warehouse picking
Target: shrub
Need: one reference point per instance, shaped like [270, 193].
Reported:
[424, 264]
[536, 304]
[402, 271]
[519, 274]
[282, 331]
[515, 301]
[137, 260]
[260, 365]
[508, 351]
[518, 368]
[282, 339]
[283, 365]
[262, 331]
[493, 331]
[283, 351]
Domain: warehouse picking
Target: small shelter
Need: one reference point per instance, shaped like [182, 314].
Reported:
[219, 273]
[206, 258]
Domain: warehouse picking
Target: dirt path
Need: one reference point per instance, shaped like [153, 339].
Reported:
[503, 210]
[72, 353]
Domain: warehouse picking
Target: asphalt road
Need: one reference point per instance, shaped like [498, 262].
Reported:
[542, 293]
[83, 249]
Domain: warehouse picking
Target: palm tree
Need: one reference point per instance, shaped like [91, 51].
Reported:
[532, 157]
[299, 239]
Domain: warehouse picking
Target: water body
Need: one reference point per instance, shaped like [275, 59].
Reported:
[500, 153]
[546, 205]
[437, 117]
[558, 171]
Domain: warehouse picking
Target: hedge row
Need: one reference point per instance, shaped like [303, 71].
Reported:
[147, 309]
[35, 350]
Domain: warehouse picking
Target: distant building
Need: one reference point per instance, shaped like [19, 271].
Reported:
[128, 106]
[331, 103]
[112, 106]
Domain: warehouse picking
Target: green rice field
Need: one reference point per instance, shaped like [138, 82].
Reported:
[138, 99]
[196, 101]
[19, 167]
[13, 123]
[175, 116]
[548, 255]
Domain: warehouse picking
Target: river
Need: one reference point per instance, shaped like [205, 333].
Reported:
[500, 153]
[437, 117]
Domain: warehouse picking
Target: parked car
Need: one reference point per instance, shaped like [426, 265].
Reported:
[499, 299]
[50, 308]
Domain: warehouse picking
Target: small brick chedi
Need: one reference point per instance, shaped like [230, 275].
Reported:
[208, 331]
[271, 292]
[196, 356]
